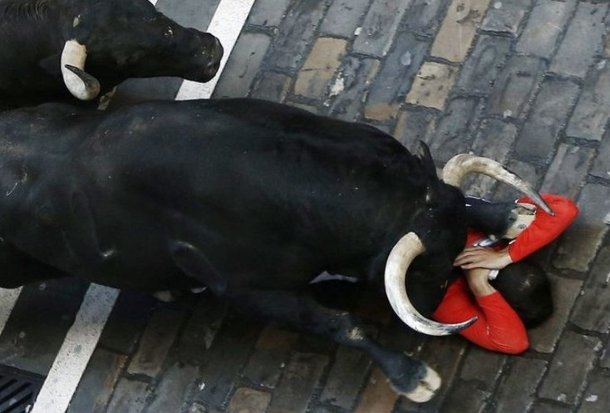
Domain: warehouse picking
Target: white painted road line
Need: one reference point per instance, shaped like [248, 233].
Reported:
[74, 354]
[8, 298]
[228, 20]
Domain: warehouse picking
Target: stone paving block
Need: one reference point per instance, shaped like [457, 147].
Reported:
[432, 85]
[596, 398]
[39, 322]
[458, 29]
[482, 67]
[378, 396]
[582, 240]
[482, 367]
[396, 76]
[582, 42]
[494, 140]
[156, 341]
[465, 397]
[297, 384]
[601, 166]
[346, 377]
[171, 392]
[96, 386]
[247, 400]
[129, 397]
[270, 356]
[604, 362]
[225, 360]
[320, 67]
[272, 86]
[243, 65]
[379, 27]
[505, 16]
[343, 17]
[524, 170]
[591, 113]
[413, 125]
[592, 309]
[452, 131]
[268, 12]
[350, 87]
[577, 160]
[544, 338]
[543, 27]
[572, 362]
[423, 17]
[189, 13]
[298, 33]
[548, 116]
[515, 86]
[547, 407]
[517, 389]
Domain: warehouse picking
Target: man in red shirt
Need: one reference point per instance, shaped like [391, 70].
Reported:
[506, 298]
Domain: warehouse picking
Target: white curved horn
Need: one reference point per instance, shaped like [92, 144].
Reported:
[399, 260]
[81, 84]
[459, 166]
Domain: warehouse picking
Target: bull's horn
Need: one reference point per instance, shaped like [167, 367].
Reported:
[459, 166]
[401, 256]
[81, 84]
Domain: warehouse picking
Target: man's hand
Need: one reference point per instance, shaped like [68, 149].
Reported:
[479, 257]
[478, 282]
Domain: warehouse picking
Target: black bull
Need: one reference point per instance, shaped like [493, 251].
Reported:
[250, 198]
[92, 45]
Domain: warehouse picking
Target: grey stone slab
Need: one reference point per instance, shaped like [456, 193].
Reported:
[517, 388]
[350, 88]
[172, 390]
[596, 398]
[592, 309]
[571, 364]
[548, 116]
[591, 113]
[601, 165]
[129, 397]
[155, 343]
[298, 382]
[465, 397]
[604, 362]
[39, 322]
[544, 26]
[424, 16]
[515, 85]
[483, 368]
[414, 125]
[581, 241]
[343, 17]
[346, 377]
[272, 86]
[505, 16]
[577, 160]
[247, 400]
[298, 34]
[243, 65]
[483, 65]
[544, 338]
[526, 171]
[546, 407]
[379, 27]
[97, 384]
[452, 134]
[268, 12]
[582, 41]
[395, 78]
[189, 13]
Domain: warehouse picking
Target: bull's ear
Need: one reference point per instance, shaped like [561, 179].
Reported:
[429, 169]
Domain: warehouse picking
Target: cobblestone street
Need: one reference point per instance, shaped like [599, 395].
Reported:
[525, 82]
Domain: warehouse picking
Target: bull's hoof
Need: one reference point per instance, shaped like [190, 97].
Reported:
[426, 386]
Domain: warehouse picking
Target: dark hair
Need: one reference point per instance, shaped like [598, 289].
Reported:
[527, 289]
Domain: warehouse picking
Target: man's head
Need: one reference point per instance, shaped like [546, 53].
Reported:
[527, 289]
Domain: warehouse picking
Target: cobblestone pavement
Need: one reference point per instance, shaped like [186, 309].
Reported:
[526, 82]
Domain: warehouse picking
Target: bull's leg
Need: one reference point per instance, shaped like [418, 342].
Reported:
[409, 377]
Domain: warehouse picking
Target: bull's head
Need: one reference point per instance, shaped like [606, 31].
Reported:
[410, 245]
[120, 39]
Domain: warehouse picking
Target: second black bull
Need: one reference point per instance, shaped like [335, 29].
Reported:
[252, 199]
[50, 47]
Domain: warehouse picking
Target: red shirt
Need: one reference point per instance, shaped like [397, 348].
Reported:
[498, 327]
